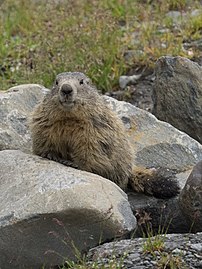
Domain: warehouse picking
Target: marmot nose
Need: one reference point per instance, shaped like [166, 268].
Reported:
[66, 89]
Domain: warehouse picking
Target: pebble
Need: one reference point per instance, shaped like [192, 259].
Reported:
[125, 80]
[197, 247]
[135, 257]
[179, 251]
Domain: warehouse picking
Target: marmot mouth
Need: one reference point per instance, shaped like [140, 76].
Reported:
[67, 103]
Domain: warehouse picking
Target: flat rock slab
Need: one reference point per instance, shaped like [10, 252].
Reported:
[47, 210]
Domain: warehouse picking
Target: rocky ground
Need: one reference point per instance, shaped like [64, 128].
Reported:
[181, 251]
[139, 92]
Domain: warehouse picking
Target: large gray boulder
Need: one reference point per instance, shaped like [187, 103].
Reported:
[178, 94]
[47, 210]
[157, 143]
[15, 106]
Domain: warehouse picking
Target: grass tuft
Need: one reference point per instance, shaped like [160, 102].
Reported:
[169, 261]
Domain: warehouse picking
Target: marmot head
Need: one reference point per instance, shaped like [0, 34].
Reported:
[73, 88]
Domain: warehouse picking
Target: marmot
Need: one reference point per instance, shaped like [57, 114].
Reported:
[74, 126]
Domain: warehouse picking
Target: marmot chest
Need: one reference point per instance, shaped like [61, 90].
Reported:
[72, 134]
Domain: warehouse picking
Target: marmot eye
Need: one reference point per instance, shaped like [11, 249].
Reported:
[56, 82]
[81, 81]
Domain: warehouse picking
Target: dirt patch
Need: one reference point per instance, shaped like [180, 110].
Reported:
[140, 93]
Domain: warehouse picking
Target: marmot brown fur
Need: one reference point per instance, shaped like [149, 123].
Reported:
[73, 125]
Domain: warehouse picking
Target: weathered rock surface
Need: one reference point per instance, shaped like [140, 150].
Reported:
[183, 251]
[178, 94]
[158, 214]
[181, 214]
[46, 207]
[191, 198]
[15, 106]
[157, 143]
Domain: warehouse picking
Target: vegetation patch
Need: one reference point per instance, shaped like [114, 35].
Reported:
[169, 261]
[38, 40]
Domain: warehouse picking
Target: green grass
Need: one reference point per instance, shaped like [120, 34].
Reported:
[114, 263]
[169, 261]
[38, 41]
[83, 263]
[155, 245]
[154, 241]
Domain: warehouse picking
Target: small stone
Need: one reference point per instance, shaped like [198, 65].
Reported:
[174, 14]
[134, 257]
[125, 80]
[179, 251]
[196, 12]
[128, 262]
[146, 262]
[197, 247]
[153, 262]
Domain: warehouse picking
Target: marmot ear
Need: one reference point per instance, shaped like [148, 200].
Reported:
[89, 81]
